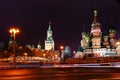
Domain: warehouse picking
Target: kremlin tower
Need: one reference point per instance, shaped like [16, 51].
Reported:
[49, 42]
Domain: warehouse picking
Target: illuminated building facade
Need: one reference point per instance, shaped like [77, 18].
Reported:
[92, 43]
[49, 42]
[39, 46]
[96, 32]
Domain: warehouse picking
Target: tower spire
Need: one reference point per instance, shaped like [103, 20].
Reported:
[49, 42]
[49, 29]
[95, 16]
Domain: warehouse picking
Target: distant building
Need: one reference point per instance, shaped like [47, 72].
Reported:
[49, 42]
[92, 44]
[29, 46]
[39, 46]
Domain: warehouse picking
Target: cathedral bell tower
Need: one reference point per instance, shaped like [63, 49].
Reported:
[96, 32]
[49, 42]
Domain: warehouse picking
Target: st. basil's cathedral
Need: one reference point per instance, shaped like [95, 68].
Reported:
[94, 44]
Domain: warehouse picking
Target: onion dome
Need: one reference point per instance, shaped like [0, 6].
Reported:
[49, 29]
[112, 32]
[83, 33]
[112, 29]
[87, 37]
[106, 35]
[96, 28]
[95, 25]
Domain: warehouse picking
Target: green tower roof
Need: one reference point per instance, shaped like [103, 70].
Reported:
[87, 37]
[112, 29]
[105, 36]
[83, 33]
[49, 29]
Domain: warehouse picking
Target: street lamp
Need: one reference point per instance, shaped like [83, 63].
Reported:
[56, 57]
[61, 51]
[14, 31]
[61, 47]
[44, 55]
[25, 56]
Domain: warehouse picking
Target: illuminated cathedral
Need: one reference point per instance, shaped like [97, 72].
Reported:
[97, 45]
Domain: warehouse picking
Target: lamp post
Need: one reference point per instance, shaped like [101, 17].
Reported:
[44, 55]
[25, 56]
[14, 31]
[61, 51]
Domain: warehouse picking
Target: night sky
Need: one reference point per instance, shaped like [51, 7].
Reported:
[69, 18]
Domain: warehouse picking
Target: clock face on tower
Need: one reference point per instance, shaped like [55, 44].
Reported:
[49, 32]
